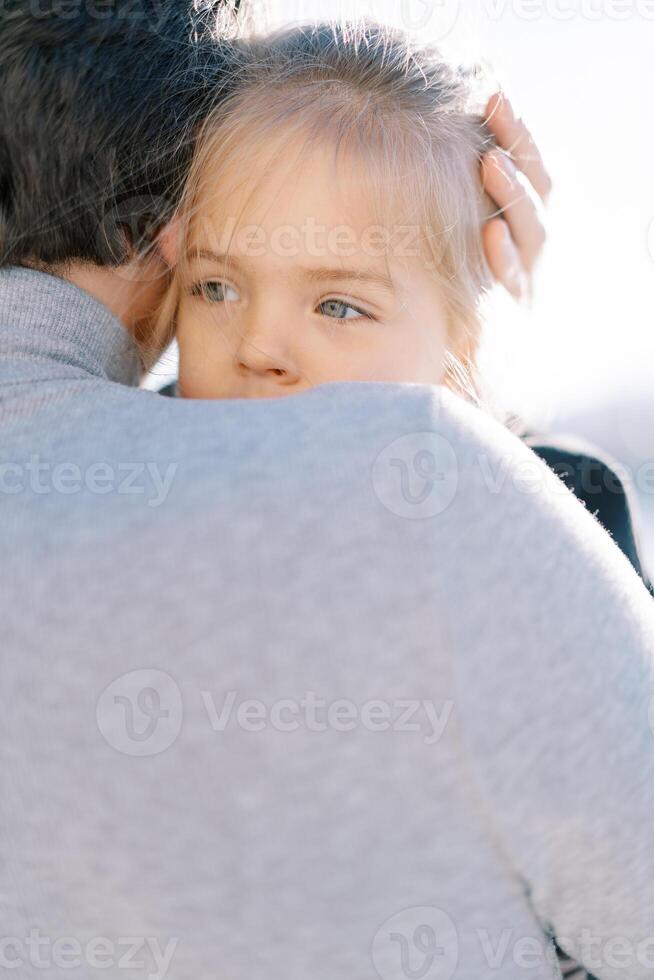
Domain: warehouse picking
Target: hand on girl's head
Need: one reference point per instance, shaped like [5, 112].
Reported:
[517, 181]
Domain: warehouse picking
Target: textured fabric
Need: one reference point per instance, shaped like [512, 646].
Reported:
[336, 686]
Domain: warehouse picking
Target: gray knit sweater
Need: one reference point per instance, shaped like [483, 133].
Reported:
[339, 686]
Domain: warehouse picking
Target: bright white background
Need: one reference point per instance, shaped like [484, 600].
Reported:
[581, 72]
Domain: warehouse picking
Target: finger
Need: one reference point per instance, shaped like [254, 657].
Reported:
[503, 259]
[513, 136]
[516, 204]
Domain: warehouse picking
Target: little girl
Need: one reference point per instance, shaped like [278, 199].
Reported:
[331, 226]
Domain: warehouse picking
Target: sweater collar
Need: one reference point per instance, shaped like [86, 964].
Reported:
[48, 323]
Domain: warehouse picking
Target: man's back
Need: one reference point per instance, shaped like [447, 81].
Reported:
[312, 687]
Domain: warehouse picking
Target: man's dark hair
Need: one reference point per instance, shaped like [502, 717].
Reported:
[99, 101]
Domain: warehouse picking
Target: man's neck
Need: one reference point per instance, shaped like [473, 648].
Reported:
[104, 285]
[132, 292]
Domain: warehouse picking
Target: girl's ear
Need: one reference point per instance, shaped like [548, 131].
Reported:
[168, 242]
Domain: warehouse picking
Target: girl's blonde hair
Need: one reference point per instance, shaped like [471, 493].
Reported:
[365, 90]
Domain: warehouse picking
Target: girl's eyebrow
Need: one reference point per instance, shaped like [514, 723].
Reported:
[324, 274]
[206, 253]
[330, 275]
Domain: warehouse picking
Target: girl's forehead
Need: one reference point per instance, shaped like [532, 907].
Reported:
[298, 181]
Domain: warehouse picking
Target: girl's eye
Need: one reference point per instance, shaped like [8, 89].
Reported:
[338, 309]
[215, 291]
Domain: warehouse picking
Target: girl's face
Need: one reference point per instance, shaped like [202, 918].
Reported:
[313, 290]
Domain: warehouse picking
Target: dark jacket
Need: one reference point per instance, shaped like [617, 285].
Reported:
[594, 480]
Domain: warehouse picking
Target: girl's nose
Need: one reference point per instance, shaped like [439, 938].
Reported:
[264, 357]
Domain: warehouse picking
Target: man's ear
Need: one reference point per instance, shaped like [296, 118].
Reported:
[169, 241]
